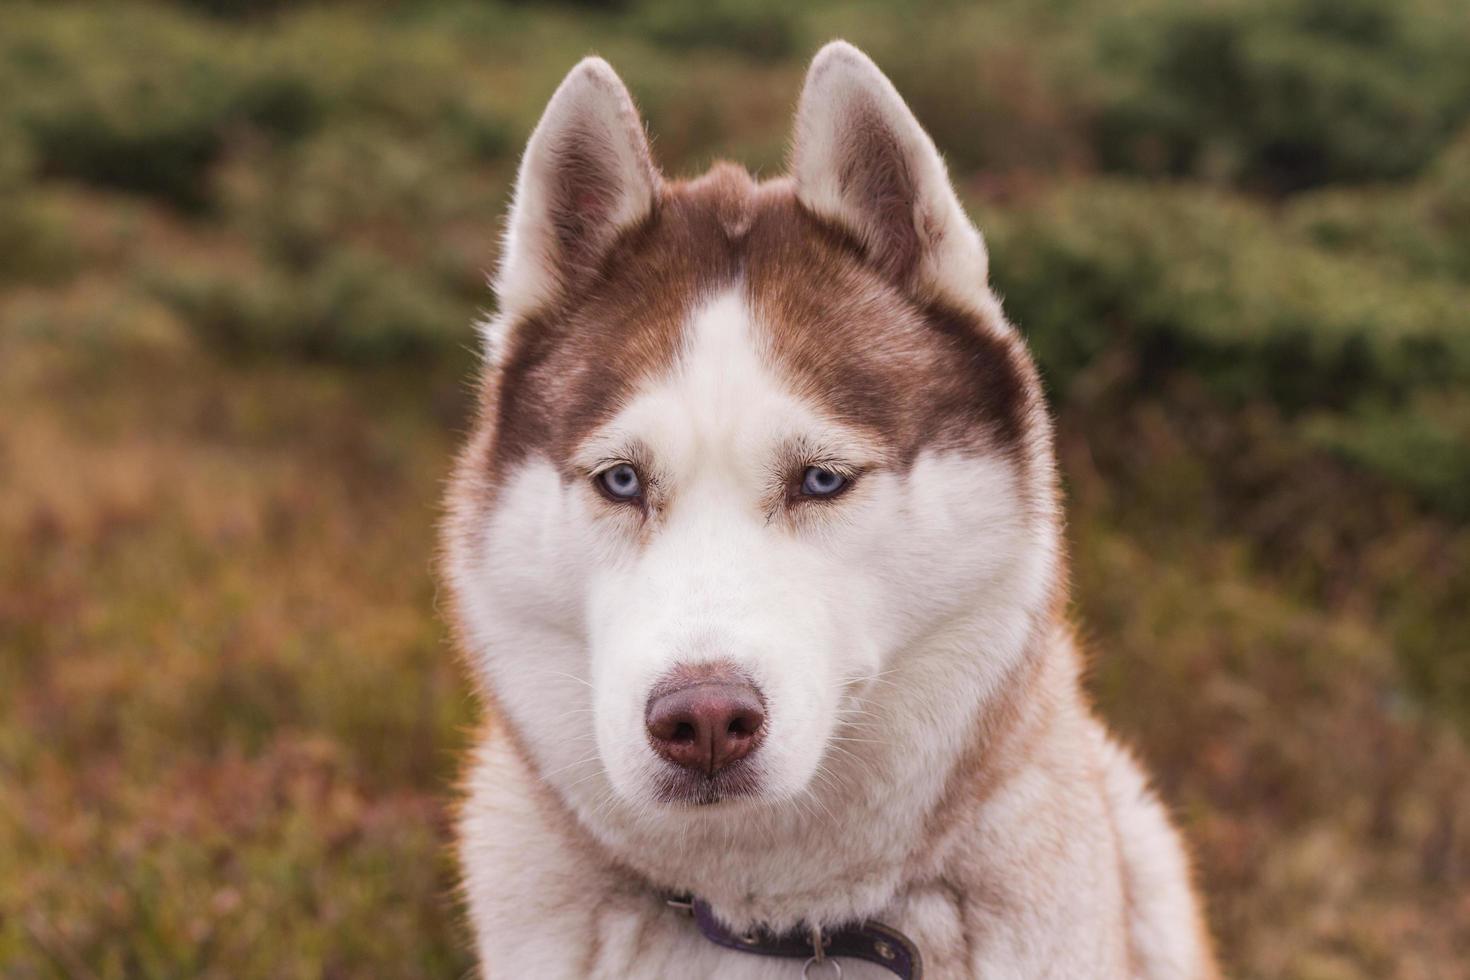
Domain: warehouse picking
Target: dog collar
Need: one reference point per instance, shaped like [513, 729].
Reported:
[821, 948]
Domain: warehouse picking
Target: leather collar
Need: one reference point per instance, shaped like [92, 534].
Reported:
[868, 940]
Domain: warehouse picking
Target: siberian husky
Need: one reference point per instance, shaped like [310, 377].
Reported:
[756, 558]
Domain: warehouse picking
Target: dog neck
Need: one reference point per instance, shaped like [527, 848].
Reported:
[928, 749]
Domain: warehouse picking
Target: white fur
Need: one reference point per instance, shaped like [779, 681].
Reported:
[805, 610]
[882, 629]
[818, 615]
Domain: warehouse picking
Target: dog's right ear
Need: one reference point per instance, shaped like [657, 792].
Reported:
[861, 159]
[587, 175]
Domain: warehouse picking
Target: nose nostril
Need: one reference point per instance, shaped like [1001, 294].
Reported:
[706, 725]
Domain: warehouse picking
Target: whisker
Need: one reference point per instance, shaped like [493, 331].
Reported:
[571, 765]
[571, 677]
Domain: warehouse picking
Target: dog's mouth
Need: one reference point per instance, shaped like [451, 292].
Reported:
[682, 787]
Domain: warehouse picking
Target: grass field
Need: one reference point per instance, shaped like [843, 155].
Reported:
[241, 245]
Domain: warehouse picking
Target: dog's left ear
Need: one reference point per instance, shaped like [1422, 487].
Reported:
[861, 159]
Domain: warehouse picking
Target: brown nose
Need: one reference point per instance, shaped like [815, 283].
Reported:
[705, 718]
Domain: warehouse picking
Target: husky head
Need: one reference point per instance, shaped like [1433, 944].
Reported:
[752, 458]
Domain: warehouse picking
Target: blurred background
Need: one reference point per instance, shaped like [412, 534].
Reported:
[241, 246]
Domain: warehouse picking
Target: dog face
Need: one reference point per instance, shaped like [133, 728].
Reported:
[745, 450]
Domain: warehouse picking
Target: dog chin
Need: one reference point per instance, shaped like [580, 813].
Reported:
[681, 789]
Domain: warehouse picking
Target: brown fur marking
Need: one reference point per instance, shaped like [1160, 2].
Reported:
[840, 328]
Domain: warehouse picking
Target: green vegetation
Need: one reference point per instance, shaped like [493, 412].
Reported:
[241, 246]
[1284, 95]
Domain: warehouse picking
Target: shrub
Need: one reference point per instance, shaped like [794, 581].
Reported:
[359, 307]
[1189, 281]
[354, 307]
[1283, 95]
[34, 242]
[1423, 445]
[34, 245]
[761, 29]
[1423, 228]
[236, 9]
[133, 100]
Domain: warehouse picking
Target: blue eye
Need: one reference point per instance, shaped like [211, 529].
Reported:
[620, 482]
[817, 482]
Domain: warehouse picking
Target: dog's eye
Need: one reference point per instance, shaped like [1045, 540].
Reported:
[818, 482]
[620, 482]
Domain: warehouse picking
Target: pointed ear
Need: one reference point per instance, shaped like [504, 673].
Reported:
[861, 159]
[586, 175]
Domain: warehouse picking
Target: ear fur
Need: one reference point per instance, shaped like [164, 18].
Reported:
[586, 175]
[860, 158]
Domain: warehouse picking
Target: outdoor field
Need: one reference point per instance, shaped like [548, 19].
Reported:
[242, 245]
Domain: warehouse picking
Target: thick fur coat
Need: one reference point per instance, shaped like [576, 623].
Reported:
[678, 374]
